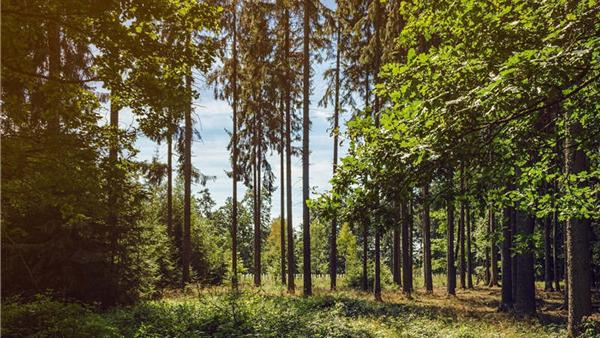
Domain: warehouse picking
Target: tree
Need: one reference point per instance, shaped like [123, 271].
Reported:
[577, 236]
[305, 143]
[427, 273]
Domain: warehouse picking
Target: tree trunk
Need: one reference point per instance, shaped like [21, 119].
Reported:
[187, 184]
[524, 298]
[493, 248]
[170, 183]
[54, 71]
[450, 267]
[513, 260]
[555, 250]
[377, 286]
[258, 225]
[461, 231]
[336, 116]
[396, 256]
[487, 273]
[469, 254]
[548, 254]
[507, 300]
[282, 197]
[411, 224]
[288, 159]
[427, 273]
[234, 166]
[577, 236]
[406, 273]
[113, 218]
[305, 154]
[365, 275]
[462, 257]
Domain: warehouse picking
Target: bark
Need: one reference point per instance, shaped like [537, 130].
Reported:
[282, 197]
[305, 144]
[506, 300]
[577, 234]
[548, 254]
[513, 259]
[113, 218]
[461, 231]
[257, 229]
[364, 256]
[170, 184]
[396, 256]
[406, 273]
[54, 71]
[234, 146]
[450, 267]
[524, 298]
[411, 224]
[336, 116]
[288, 159]
[427, 273]
[555, 250]
[377, 286]
[493, 248]
[487, 273]
[187, 184]
[469, 253]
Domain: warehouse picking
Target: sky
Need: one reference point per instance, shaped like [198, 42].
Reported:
[211, 157]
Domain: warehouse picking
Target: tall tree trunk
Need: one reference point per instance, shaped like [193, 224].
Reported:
[513, 260]
[282, 190]
[377, 286]
[234, 160]
[336, 116]
[288, 158]
[548, 254]
[365, 276]
[461, 230]
[258, 226]
[577, 235]
[524, 297]
[305, 153]
[406, 273]
[507, 300]
[170, 182]
[487, 273]
[427, 273]
[54, 71]
[255, 184]
[555, 250]
[450, 268]
[187, 183]
[493, 248]
[396, 256]
[469, 253]
[410, 262]
[113, 218]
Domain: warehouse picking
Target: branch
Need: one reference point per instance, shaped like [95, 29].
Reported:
[49, 78]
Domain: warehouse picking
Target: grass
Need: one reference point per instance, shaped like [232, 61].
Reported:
[269, 311]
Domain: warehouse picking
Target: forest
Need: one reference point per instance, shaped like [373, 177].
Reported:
[463, 168]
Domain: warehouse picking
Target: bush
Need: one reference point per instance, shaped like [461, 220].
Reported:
[44, 317]
[354, 275]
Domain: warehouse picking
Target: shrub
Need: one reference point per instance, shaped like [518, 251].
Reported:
[44, 317]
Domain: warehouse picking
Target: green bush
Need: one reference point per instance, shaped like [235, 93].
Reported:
[44, 317]
[354, 275]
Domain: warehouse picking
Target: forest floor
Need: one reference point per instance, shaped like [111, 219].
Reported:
[471, 313]
[270, 311]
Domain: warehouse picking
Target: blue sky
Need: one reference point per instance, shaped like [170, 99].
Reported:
[211, 156]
